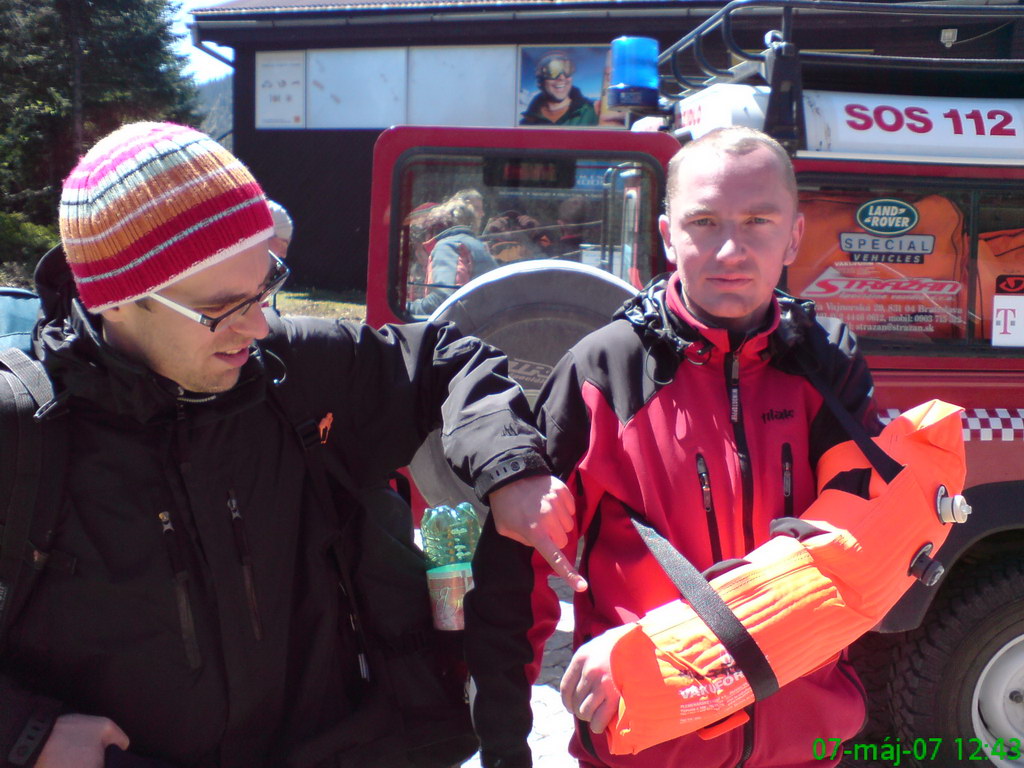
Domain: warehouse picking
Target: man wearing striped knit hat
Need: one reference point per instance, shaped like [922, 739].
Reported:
[188, 613]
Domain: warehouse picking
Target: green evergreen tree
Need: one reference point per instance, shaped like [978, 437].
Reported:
[73, 70]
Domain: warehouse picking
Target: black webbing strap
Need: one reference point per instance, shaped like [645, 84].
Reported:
[712, 610]
[320, 463]
[885, 465]
[22, 392]
[30, 373]
[286, 399]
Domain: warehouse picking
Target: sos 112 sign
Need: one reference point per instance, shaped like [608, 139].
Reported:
[932, 126]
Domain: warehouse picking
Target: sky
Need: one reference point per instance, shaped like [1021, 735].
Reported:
[201, 64]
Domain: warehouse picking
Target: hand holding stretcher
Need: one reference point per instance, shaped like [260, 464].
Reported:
[821, 582]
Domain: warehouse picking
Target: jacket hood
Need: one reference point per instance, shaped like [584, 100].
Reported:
[674, 329]
[83, 366]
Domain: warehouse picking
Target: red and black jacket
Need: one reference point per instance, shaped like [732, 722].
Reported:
[708, 436]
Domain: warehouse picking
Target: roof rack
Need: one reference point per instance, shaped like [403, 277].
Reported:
[779, 64]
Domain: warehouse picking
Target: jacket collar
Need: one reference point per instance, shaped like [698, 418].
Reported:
[659, 314]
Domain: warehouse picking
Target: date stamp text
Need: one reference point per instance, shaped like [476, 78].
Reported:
[935, 750]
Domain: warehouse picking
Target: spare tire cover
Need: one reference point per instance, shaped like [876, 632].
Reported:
[532, 311]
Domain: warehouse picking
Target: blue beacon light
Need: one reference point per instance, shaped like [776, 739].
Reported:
[634, 73]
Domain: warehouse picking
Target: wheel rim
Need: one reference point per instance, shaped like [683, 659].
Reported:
[995, 715]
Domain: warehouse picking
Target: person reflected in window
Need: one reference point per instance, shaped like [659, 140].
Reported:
[454, 256]
[475, 200]
[416, 231]
[559, 101]
[514, 236]
[573, 226]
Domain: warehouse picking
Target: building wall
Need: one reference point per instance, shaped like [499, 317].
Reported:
[322, 177]
[322, 174]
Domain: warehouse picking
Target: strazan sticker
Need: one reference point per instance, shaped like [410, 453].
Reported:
[828, 287]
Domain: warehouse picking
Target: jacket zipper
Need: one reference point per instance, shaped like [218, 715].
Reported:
[709, 508]
[180, 580]
[732, 366]
[787, 479]
[245, 558]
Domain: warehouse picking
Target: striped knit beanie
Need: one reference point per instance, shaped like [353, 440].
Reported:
[151, 204]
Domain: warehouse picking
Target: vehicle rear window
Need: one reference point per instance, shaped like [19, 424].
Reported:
[462, 214]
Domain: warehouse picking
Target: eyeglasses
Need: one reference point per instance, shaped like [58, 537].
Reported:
[279, 273]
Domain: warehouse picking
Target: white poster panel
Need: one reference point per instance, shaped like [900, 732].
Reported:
[356, 88]
[1007, 321]
[281, 89]
[451, 85]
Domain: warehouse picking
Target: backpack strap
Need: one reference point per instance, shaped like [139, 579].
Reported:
[802, 343]
[292, 407]
[24, 389]
[885, 465]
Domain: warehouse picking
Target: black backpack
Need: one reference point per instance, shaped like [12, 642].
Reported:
[27, 445]
[413, 712]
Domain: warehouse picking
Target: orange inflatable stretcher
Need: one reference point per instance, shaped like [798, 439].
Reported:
[803, 596]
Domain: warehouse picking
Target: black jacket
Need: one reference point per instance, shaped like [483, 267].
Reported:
[156, 624]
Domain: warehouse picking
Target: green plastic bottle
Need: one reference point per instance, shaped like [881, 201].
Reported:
[449, 536]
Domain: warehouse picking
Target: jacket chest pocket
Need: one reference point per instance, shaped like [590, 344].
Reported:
[776, 495]
[180, 583]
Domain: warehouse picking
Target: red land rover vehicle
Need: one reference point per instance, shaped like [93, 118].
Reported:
[915, 237]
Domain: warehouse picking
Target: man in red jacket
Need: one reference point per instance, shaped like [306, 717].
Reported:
[688, 409]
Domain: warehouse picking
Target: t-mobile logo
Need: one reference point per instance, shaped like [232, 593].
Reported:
[1008, 320]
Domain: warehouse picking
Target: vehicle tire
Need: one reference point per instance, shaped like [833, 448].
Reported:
[960, 676]
[872, 657]
[533, 311]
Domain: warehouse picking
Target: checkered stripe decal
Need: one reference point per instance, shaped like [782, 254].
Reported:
[984, 424]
